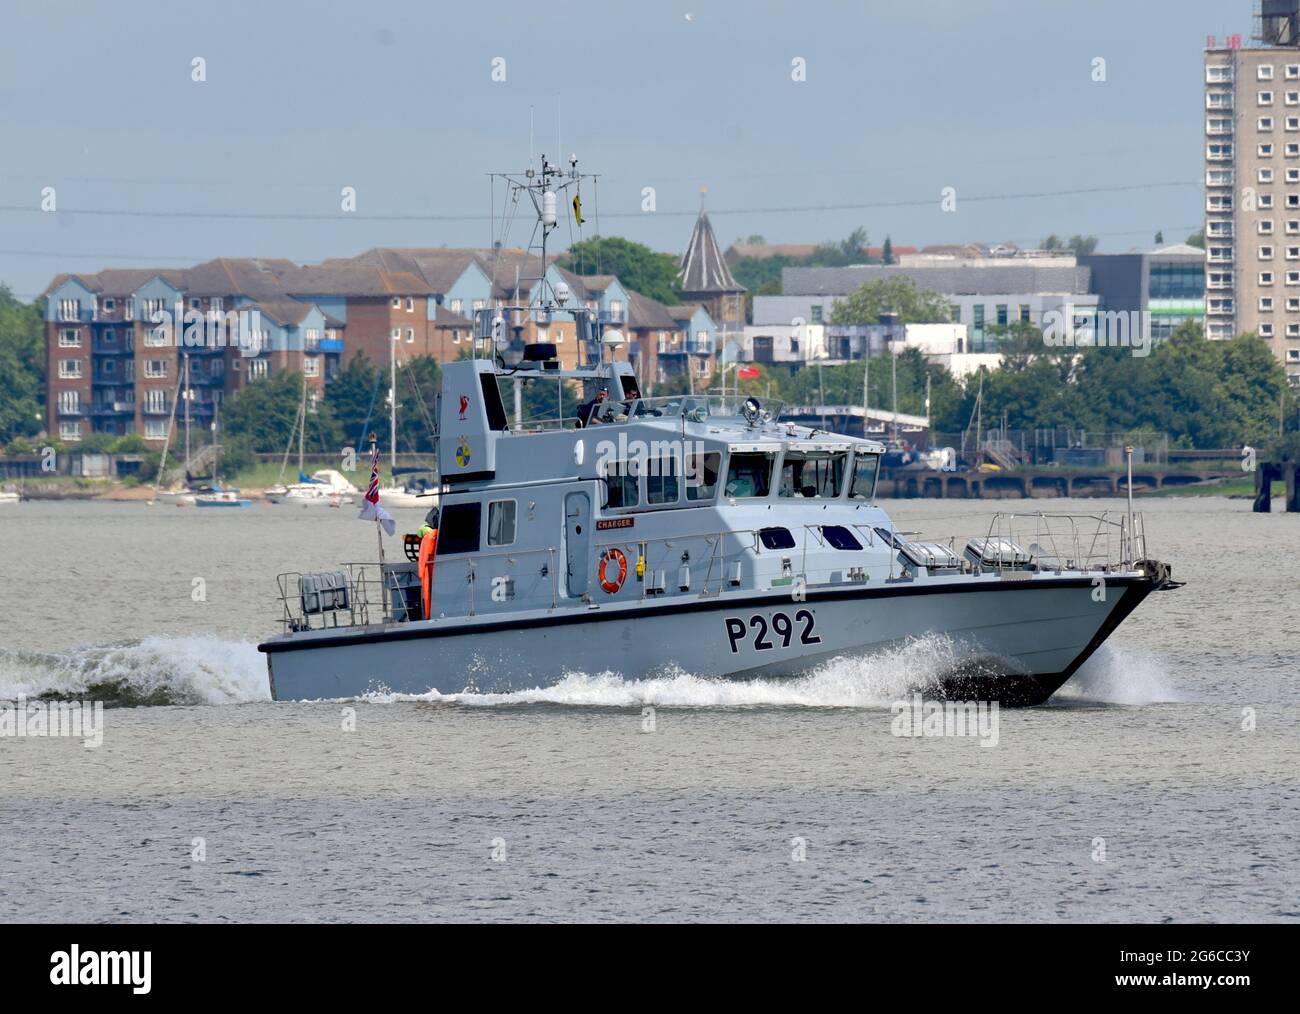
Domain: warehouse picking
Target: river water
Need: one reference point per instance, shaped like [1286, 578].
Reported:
[1160, 784]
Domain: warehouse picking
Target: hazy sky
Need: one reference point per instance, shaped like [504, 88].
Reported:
[901, 99]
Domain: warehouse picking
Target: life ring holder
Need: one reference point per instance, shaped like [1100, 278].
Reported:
[608, 584]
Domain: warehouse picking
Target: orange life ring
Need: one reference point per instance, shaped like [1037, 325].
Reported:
[612, 555]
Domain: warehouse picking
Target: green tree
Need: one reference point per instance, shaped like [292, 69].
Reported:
[418, 383]
[263, 413]
[897, 294]
[1197, 239]
[22, 367]
[354, 397]
[1081, 246]
[542, 399]
[638, 267]
[887, 251]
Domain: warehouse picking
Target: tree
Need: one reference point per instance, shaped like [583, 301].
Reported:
[542, 398]
[1197, 239]
[638, 267]
[264, 412]
[897, 294]
[22, 367]
[887, 251]
[354, 396]
[1081, 246]
[1052, 244]
[418, 383]
[850, 250]
[1160, 238]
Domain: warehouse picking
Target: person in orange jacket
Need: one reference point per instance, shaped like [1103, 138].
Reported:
[428, 549]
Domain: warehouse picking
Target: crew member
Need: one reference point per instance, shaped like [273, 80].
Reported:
[587, 410]
[428, 549]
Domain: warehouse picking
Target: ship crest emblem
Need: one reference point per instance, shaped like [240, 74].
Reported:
[463, 453]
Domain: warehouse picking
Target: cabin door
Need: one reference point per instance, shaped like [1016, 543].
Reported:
[577, 537]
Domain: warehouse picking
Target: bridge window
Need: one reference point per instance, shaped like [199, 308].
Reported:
[702, 475]
[620, 481]
[661, 481]
[813, 474]
[865, 467]
[776, 538]
[749, 475]
[458, 529]
[501, 522]
[840, 537]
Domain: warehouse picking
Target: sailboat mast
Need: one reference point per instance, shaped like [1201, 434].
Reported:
[302, 422]
[187, 409]
[392, 403]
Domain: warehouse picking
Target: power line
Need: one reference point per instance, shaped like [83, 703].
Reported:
[801, 174]
[793, 209]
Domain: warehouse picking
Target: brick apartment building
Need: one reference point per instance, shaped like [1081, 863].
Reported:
[114, 368]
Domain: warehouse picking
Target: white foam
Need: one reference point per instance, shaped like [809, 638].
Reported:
[1116, 675]
[839, 683]
[165, 670]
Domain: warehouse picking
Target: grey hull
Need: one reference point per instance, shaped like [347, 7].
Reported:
[1015, 642]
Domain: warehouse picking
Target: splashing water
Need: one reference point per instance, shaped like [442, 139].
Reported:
[1122, 676]
[839, 683]
[156, 670]
[208, 670]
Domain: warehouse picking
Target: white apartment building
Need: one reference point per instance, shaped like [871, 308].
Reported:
[1252, 184]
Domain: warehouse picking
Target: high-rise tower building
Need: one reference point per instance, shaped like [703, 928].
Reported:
[1252, 183]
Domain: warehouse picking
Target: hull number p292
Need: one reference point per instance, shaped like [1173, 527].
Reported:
[781, 629]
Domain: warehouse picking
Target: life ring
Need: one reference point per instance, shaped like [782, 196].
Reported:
[606, 558]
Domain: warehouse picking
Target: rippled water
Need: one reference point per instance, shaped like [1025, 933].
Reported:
[558, 804]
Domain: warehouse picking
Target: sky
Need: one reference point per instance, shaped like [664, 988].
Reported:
[996, 99]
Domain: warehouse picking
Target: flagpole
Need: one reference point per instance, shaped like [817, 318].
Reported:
[379, 530]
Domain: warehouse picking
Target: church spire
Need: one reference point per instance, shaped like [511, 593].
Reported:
[704, 270]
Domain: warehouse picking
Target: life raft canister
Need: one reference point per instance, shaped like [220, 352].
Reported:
[609, 584]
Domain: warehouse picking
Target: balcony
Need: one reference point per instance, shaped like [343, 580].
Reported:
[114, 349]
[1218, 128]
[113, 408]
[76, 409]
[156, 408]
[332, 345]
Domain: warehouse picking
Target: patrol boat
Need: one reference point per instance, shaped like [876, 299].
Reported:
[696, 534]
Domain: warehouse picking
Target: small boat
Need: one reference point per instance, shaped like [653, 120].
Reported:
[183, 497]
[325, 488]
[222, 498]
[418, 494]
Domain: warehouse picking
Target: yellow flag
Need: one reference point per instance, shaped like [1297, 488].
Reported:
[577, 209]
